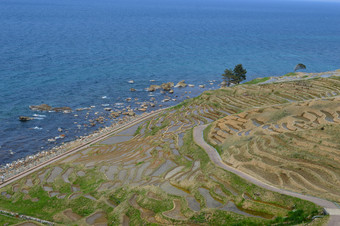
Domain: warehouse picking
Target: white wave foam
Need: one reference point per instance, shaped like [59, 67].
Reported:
[40, 116]
[37, 128]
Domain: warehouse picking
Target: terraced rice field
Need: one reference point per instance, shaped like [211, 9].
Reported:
[294, 146]
[155, 173]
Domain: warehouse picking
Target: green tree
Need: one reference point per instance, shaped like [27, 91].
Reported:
[240, 74]
[299, 66]
[228, 76]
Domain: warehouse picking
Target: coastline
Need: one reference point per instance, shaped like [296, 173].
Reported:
[30, 163]
[23, 167]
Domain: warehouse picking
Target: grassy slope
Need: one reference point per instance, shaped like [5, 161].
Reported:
[266, 203]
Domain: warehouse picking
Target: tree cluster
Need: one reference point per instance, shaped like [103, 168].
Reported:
[299, 67]
[234, 76]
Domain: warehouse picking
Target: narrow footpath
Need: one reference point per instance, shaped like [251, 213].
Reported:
[329, 207]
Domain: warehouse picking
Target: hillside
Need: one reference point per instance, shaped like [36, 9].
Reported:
[286, 134]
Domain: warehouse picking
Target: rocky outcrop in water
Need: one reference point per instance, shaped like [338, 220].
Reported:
[62, 109]
[42, 107]
[45, 107]
[181, 84]
[167, 86]
[25, 118]
[153, 88]
[115, 114]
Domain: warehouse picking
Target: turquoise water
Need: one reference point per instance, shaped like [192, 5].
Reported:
[72, 53]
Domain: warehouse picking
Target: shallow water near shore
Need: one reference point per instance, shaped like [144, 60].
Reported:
[83, 53]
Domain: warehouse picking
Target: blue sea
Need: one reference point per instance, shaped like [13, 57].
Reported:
[80, 53]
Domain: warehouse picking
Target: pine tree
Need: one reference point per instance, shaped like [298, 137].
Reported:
[240, 73]
[228, 76]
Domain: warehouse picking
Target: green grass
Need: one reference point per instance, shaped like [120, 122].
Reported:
[137, 132]
[157, 206]
[180, 105]
[90, 182]
[190, 148]
[220, 217]
[290, 74]
[257, 80]
[45, 208]
[9, 220]
[155, 129]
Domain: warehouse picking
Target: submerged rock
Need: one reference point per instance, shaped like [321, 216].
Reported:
[25, 118]
[133, 90]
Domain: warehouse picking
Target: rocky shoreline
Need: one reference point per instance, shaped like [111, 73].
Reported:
[24, 164]
[121, 117]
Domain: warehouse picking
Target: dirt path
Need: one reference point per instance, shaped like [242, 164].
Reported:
[214, 156]
[81, 147]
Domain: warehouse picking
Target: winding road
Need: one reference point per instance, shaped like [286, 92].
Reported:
[329, 207]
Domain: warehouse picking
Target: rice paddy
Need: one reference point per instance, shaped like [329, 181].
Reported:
[153, 173]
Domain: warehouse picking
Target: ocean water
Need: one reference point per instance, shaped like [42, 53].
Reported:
[75, 52]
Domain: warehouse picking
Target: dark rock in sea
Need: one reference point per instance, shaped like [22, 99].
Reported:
[100, 119]
[153, 88]
[167, 86]
[115, 114]
[171, 91]
[108, 109]
[42, 107]
[25, 118]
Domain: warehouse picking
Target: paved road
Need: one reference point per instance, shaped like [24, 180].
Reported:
[329, 207]
[81, 147]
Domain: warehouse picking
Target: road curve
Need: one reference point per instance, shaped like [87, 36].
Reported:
[214, 156]
[81, 147]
